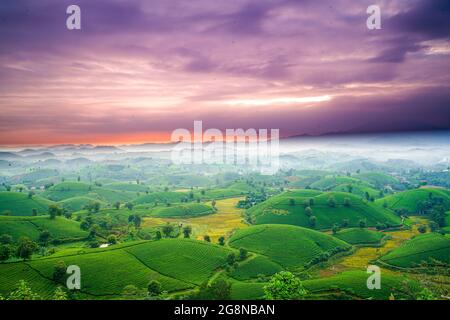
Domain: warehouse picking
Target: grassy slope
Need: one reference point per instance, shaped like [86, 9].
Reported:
[377, 179]
[124, 186]
[409, 199]
[177, 264]
[288, 246]
[328, 183]
[447, 223]
[77, 203]
[278, 210]
[20, 205]
[354, 283]
[185, 210]
[66, 190]
[188, 260]
[360, 236]
[359, 189]
[59, 228]
[420, 248]
[160, 197]
[252, 267]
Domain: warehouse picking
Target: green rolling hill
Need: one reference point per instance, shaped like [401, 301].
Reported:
[255, 266]
[60, 228]
[377, 179]
[126, 186]
[160, 197]
[78, 203]
[354, 284]
[19, 204]
[67, 190]
[288, 246]
[178, 264]
[358, 236]
[185, 210]
[426, 247]
[280, 210]
[346, 184]
[409, 199]
[327, 183]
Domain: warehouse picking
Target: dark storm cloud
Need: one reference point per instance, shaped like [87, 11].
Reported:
[429, 19]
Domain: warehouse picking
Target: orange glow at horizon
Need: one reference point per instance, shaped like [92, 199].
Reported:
[119, 139]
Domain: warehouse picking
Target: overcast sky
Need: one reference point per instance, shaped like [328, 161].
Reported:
[139, 69]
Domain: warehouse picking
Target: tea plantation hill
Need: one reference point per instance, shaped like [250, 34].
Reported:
[328, 208]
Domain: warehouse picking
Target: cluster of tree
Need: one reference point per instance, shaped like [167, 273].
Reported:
[252, 199]
[92, 206]
[368, 197]
[218, 289]
[24, 292]
[170, 231]
[284, 286]
[249, 218]
[331, 202]
[335, 229]
[135, 220]
[324, 256]
[129, 206]
[54, 210]
[22, 249]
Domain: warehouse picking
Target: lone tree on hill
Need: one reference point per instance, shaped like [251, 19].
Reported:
[231, 258]
[243, 253]
[6, 239]
[44, 237]
[59, 271]
[129, 205]
[167, 230]
[54, 210]
[331, 202]
[345, 223]
[5, 252]
[284, 286]
[154, 288]
[25, 248]
[308, 211]
[312, 221]
[187, 231]
[335, 228]
[362, 223]
[112, 239]
[422, 229]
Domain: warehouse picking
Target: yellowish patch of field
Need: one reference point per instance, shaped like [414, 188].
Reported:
[222, 223]
[363, 256]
